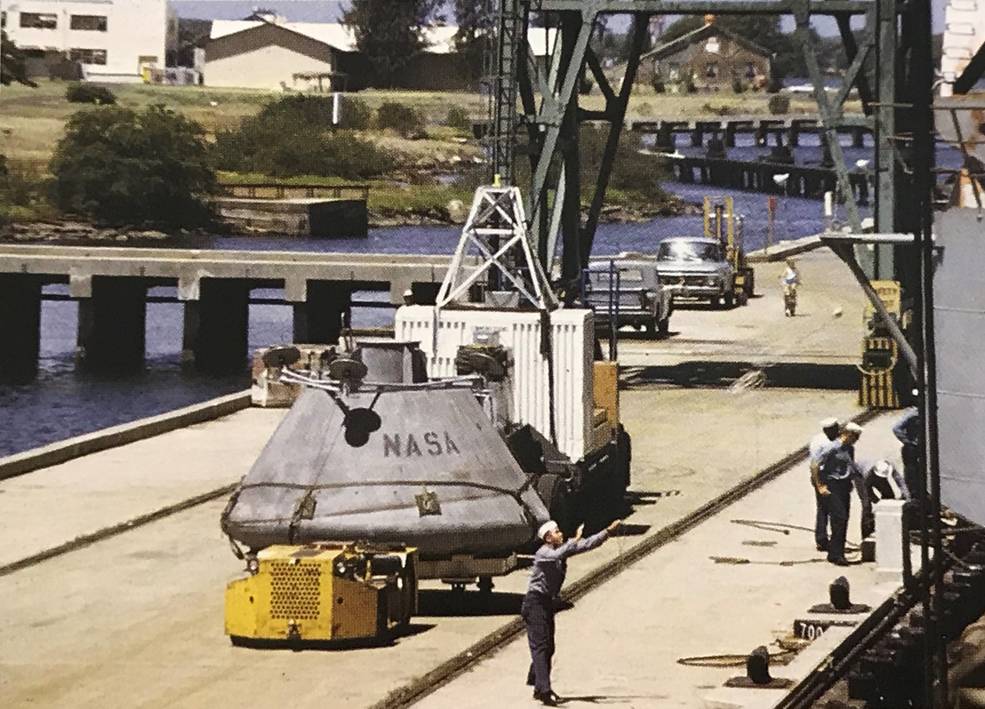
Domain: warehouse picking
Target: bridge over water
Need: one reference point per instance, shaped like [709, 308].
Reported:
[111, 286]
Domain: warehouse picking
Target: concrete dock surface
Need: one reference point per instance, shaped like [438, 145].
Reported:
[136, 619]
[54, 505]
[826, 329]
[619, 645]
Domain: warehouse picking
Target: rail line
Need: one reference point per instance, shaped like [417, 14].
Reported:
[492, 642]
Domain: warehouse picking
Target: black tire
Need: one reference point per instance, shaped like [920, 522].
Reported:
[553, 490]
[728, 300]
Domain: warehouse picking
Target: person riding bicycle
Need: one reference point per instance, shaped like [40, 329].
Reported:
[790, 280]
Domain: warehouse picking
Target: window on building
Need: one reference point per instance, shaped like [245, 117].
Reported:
[674, 70]
[88, 56]
[92, 23]
[39, 20]
[750, 71]
[711, 70]
[3, 18]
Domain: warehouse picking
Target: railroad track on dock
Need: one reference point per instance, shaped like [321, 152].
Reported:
[491, 643]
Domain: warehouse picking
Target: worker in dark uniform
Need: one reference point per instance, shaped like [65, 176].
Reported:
[830, 428]
[837, 468]
[907, 432]
[546, 577]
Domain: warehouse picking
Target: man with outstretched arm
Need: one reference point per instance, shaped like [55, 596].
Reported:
[546, 577]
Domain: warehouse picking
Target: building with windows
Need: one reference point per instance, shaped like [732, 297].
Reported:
[710, 58]
[111, 40]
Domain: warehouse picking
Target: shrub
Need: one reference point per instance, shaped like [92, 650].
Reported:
[458, 118]
[356, 115]
[400, 118]
[124, 167]
[779, 104]
[289, 154]
[89, 93]
[632, 172]
[657, 83]
[585, 84]
[737, 86]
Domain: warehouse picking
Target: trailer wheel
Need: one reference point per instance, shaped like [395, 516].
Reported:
[553, 490]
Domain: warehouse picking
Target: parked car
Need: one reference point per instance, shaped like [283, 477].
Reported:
[635, 297]
[696, 267]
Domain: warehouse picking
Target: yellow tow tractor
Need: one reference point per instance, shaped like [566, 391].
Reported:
[722, 224]
[323, 593]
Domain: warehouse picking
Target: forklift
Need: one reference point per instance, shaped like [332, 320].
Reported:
[722, 224]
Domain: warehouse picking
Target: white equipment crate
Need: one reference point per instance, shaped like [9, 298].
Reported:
[519, 332]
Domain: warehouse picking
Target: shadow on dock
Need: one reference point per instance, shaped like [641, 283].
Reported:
[791, 375]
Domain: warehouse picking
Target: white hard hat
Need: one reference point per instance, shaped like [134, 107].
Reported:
[827, 423]
[408, 293]
[883, 468]
[546, 528]
[853, 427]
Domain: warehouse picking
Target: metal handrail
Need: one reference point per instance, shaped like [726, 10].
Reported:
[281, 190]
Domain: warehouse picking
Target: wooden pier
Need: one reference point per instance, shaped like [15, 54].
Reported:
[802, 181]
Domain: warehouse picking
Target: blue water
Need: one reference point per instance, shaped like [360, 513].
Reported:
[63, 402]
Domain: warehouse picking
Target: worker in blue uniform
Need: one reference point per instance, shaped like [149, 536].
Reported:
[837, 468]
[907, 432]
[830, 428]
[546, 577]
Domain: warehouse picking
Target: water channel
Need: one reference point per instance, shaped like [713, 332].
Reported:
[64, 402]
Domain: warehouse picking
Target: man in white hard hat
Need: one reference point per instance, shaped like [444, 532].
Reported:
[836, 471]
[830, 428]
[546, 577]
[874, 486]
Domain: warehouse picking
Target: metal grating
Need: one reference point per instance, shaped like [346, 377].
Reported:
[295, 592]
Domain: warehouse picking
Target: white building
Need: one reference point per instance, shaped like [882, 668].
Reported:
[113, 40]
[273, 53]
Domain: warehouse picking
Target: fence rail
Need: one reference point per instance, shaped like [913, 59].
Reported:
[272, 190]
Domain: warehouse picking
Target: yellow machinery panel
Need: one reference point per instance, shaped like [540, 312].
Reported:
[322, 592]
[605, 394]
[877, 388]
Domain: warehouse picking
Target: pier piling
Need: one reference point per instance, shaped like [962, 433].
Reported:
[112, 324]
[217, 325]
[20, 323]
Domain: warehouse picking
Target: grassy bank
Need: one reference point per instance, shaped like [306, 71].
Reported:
[430, 173]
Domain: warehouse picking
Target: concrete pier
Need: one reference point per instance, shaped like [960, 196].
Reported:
[299, 216]
[217, 325]
[20, 319]
[112, 324]
[326, 309]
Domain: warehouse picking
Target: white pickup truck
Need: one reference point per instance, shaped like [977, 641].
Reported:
[627, 290]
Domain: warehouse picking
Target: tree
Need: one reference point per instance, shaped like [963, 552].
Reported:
[475, 31]
[124, 167]
[390, 34]
[12, 68]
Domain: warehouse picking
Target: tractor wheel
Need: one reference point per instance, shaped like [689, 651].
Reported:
[553, 490]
